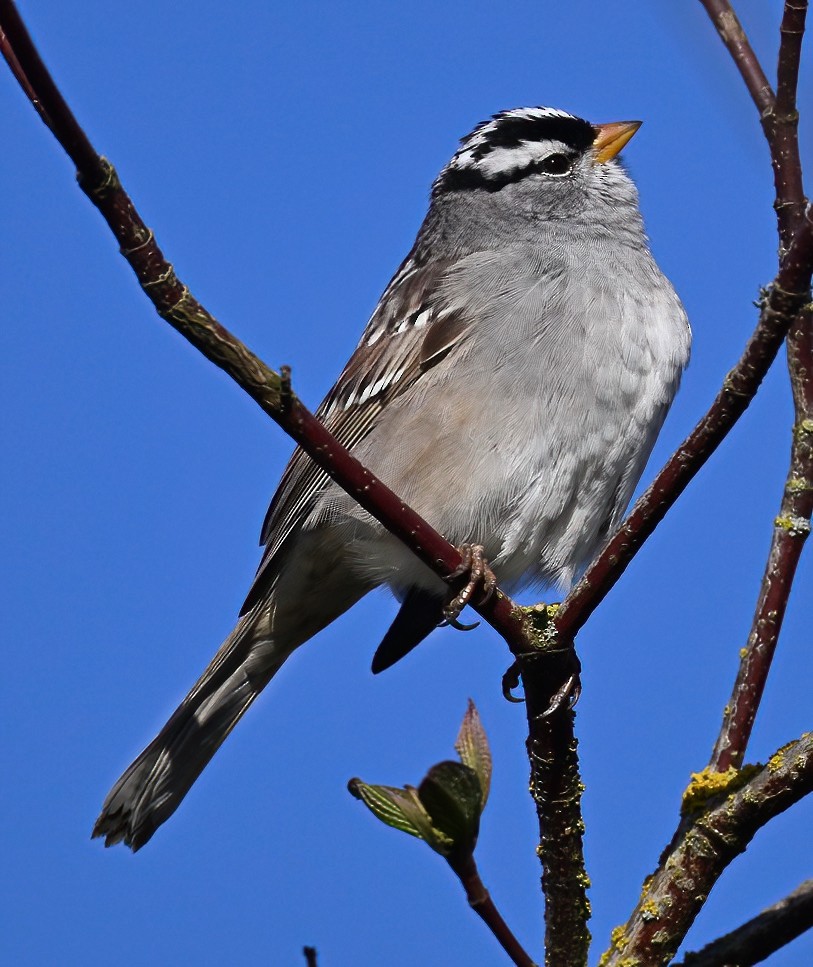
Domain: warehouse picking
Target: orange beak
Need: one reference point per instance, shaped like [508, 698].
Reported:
[611, 138]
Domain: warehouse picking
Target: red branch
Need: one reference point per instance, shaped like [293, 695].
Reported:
[791, 528]
[785, 298]
[480, 901]
[780, 125]
[702, 848]
[733, 36]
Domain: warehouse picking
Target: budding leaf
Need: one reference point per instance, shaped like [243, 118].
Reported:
[445, 809]
[472, 747]
[401, 809]
[451, 795]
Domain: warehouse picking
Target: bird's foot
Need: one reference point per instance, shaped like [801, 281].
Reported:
[481, 582]
[560, 666]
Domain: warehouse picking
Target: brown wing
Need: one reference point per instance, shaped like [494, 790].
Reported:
[409, 332]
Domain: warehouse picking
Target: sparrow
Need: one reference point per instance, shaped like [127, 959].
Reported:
[509, 387]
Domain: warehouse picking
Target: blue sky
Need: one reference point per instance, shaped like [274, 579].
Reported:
[283, 155]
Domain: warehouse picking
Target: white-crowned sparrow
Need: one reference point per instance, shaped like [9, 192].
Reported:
[509, 386]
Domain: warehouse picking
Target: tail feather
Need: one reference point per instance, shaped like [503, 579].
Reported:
[152, 788]
[312, 590]
[421, 612]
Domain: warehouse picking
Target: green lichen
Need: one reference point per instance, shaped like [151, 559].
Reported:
[706, 785]
[540, 619]
[797, 485]
[795, 526]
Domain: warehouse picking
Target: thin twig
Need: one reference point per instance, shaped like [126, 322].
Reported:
[791, 528]
[711, 835]
[791, 33]
[786, 296]
[733, 36]
[782, 123]
[32, 75]
[792, 524]
[480, 901]
[778, 113]
[762, 936]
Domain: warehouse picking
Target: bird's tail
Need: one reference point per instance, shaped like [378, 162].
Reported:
[152, 788]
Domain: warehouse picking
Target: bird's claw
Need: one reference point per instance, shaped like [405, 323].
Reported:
[480, 575]
[510, 681]
[458, 625]
[566, 695]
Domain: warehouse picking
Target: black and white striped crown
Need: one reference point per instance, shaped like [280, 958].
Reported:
[507, 144]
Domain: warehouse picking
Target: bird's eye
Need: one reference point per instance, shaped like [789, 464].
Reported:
[556, 164]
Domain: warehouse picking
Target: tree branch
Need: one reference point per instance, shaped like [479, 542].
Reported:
[480, 901]
[557, 790]
[702, 847]
[791, 528]
[791, 33]
[717, 826]
[734, 37]
[762, 936]
[783, 300]
[781, 125]
[778, 114]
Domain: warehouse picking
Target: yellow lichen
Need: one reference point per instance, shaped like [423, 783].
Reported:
[795, 526]
[707, 785]
[797, 485]
[649, 910]
[618, 938]
[777, 760]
